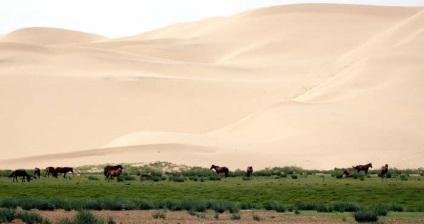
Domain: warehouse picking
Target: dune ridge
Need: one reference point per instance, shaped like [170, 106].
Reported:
[312, 85]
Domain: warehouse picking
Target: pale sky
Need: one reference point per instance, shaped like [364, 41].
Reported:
[118, 18]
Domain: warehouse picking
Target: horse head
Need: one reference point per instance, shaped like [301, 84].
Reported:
[213, 167]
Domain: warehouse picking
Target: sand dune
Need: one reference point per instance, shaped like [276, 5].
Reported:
[49, 36]
[312, 85]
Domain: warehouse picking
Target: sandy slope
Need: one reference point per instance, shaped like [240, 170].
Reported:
[313, 85]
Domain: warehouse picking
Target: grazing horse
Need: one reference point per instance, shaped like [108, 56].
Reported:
[347, 174]
[20, 173]
[365, 168]
[110, 167]
[249, 171]
[63, 170]
[49, 170]
[220, 169]
[114, 173]
[37, 172]
[384, 170]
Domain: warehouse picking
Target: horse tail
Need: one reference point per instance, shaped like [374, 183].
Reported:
[106, 171]
[226, 173]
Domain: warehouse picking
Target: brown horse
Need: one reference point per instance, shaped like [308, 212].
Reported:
[365, 168]
[249, 171]
[347, 174]
[63, 170]
[219, 170]
[37, 172]
[384, 170]
[110, 167]
[20, 173]
[49, 170]
[114, 173]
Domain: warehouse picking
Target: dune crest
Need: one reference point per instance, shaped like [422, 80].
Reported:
[49, 36]
[312, 85]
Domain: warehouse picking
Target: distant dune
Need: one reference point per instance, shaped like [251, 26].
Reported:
[49, 36]
[311, 85]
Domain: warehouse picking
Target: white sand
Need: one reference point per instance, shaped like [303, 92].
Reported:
[312, 85]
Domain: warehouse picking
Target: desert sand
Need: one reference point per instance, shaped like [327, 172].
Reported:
[312, 85]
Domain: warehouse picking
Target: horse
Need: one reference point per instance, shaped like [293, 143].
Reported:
[365, 168]
[249, 171]
[384, 170]
[220, 169]
[347, 174]
[37, 172]
[114, 173]
[63, 170]
[110, 167]
[49, 170]
[20, 173]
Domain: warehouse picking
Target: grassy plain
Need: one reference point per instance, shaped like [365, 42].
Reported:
[407, 194]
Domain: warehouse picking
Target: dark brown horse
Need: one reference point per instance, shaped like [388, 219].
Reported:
[63, 170]
[20, 173]
[347, 174]
[365, 168]
[220, 169]
[37, 172]
[384, 170]
[49, 170]
[249, 171]
[110, 167]
[114, 173]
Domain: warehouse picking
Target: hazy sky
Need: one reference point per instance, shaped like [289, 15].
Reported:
[117, 18]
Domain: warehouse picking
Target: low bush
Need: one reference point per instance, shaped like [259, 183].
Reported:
[364, 215]
[30, 217]
[6, 215]
[158, 215]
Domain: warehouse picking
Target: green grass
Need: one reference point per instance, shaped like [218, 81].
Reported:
[311, 191]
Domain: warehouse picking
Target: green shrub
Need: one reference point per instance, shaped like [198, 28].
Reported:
[158, 215]
[9, 203]
[337, 174]
[83, 217]
[294, 176]
[7, 215]
[365, 216]
[219, 206]
[30, 217]
[380, 210]
[195, 178]
[344, 207]
[274, 205]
